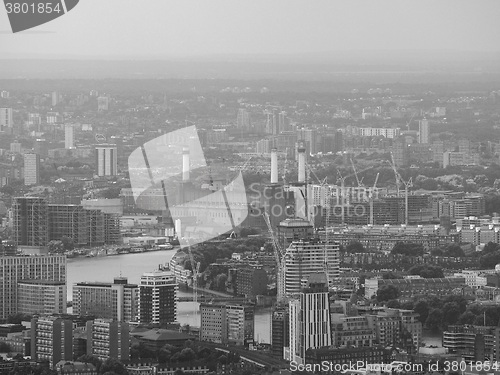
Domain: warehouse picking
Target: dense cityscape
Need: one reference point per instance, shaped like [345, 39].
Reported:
[249, 187]
[372, 232]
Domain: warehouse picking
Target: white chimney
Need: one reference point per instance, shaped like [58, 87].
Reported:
[185, 164]
[302, 163]
[274, 166]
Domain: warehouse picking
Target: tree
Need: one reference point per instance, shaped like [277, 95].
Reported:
[427, 271]
[355, 247]
[91, 359]
[434, 319]
[408, 249]
[4, 347]
[437, 252]
[55, 246]
[393, 304]
[68, 243]
[422, 309]
[387, 293]
[451, 313]
[454, 250]
[491, 247]
[114, 366]
[490, 259]
[18, 318]
[164, 355]
[245, 232]
[188, 354]
[220, 282]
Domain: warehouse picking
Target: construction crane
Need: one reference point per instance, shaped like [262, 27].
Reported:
[400, 181]
[278, 255]
[408, 184]
[342, 179]
[342, 194]
[360, 182]
[276, 246]
[396, 174]
[409, 122]
[327, 237]
[371, 198]
[195, 268]
[244, 166]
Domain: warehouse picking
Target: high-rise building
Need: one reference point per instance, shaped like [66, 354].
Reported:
[41, 297]
[30, 221]
[106, 160]
[264, 146]
[51, 339]
[310, 319]
[107, 338]
[15, 147]
[118, 300]
[309, 136]
[158, 297]
[400, 152]
[295, 229]
[226, 323]
[4, 94]
[305, 258]
[283, 122]
[31, 169]
[69, 136]
[34, 119]
[16, 268]
[56, 98]
[243, 119]
[280, 331]
[102, 103]
[423, 131]
[85, 226]
[6, 119]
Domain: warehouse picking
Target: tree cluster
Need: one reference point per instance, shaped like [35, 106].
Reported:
[190, 354]
[408, 249]
[451, 250]
[110, 366]
[427, 271]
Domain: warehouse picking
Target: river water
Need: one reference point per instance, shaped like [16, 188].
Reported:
[133, 266]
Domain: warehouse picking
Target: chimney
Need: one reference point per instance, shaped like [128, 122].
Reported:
[274, 166]
[302, 163]
[185, 164]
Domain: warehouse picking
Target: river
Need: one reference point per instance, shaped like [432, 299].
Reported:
[133, 266]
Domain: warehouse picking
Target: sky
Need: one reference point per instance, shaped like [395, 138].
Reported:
[144, 29]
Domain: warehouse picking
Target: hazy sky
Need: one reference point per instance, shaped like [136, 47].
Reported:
[169, 28]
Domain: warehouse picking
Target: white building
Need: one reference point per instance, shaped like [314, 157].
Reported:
[304, 258]
[5, 119]
[31, 169]
[13, 269]
[423, 131]
[106, 160]
[472, 278]
[69, 136]
[102, 103]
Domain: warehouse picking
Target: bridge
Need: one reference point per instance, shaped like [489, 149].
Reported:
[215, 299]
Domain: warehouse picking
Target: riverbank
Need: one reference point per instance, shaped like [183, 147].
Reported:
[132, 266]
